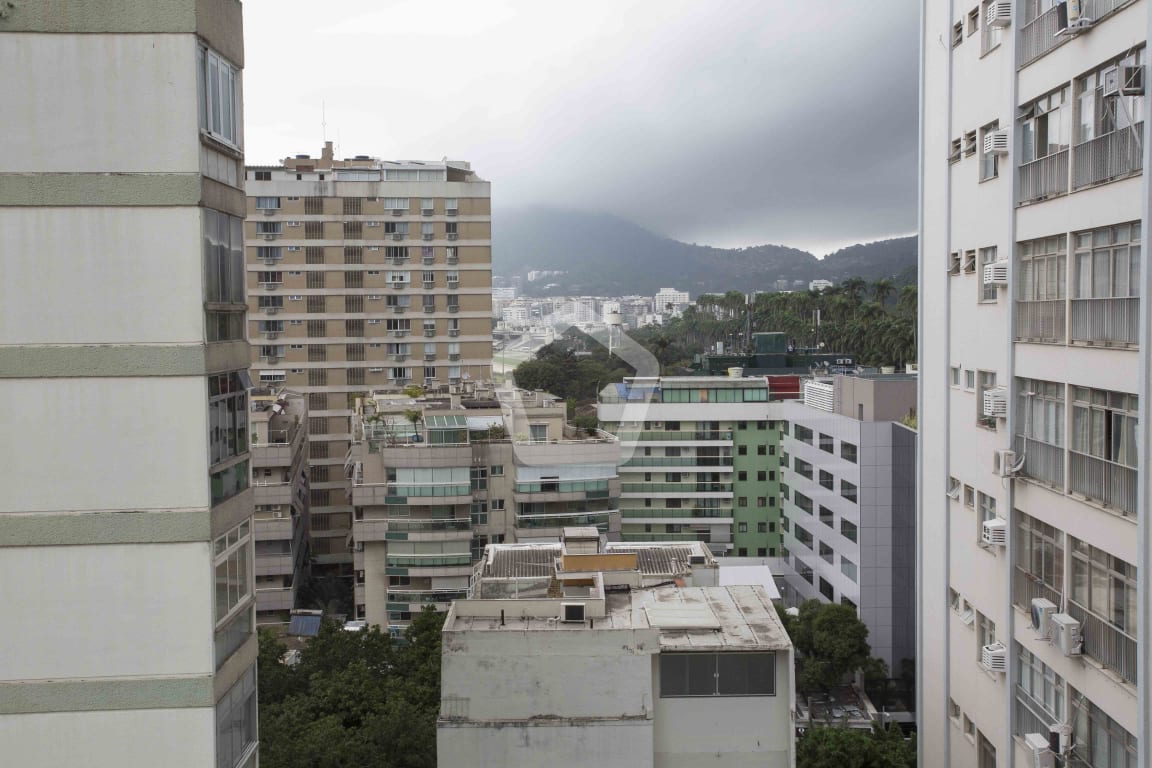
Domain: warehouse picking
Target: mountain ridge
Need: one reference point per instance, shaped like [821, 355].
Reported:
[606, 255]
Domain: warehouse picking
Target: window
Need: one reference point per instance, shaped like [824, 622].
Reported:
[225, 275]
[236, 722]
[717, 674]
[955, 375]
[803, 536]
[1039, 693]
[219, 100]
[1039, 561]
[826, 481]
[848, 568]
[1104, 446]
[1104, 585]
[989, 161]
[848, 530]
[742, 527]
[826, 590]
[233, 572]
[802, 468]
[988, 291]
[969, 728]
[973, 21]
[803, 434]
[803, 502]
[761, 527]
[742, 475]
[985, 633]
[1041, 277]
[957, 34]
[1106, 284]
[827, 444]
[741, 450]
[827, 516]
[826, 553]
[742, 502]
[761, 450]
[985, 752]
[1113, 122]
[227, 416]
[848, 490]
[1097, 739]
[848, 451]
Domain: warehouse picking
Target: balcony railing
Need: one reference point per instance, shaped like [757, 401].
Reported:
[1106, 321]
[1026, 587]
[1108, 157]
[1042, 461]
[562, 486]
[1038, 36]
[682, 461]
[447, 524]
[694, 487]
[675, 435]
[425, 598]
[1044, 178]
[563, 520]
[426, 561]
[1102, 480]
[692, 513]
[1041, 321]
[1105, 643]
[682, 536]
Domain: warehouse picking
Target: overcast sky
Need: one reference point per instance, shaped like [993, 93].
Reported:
[729, 122]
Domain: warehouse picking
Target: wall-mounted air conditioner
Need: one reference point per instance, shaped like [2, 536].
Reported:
[1037, 746]
[994, 657]
[1042, 610]
[996, 273]
[1065, 634]
[1004, 462]
[996, 402]
[997, 142]
[994, 532]
[999, 14]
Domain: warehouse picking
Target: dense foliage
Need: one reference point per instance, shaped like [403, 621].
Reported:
[355, 700]
[876, 322]
[831, 641]
[601, 255]
[828, 747]
[574, 367]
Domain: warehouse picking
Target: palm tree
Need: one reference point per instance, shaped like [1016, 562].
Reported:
[882, 289]
[908, 300]
[853, 288]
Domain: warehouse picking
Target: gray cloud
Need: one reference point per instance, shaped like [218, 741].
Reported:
[729, 123]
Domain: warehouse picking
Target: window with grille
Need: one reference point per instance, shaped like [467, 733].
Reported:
[317, 329]
[354, 280]
[354, 230]
[353, 304]
[353, 254]
[717, 674]
[353, 328]
[317, 353]
[353, 206]
[396, 252]
[313, 230]
[354, 352]
[355, 376]
[317, 304]
[318, 473]
[313, 254]
[320, 497]
[315, 279]
[317, 377]
[318, 450]
[313, 206]
[318, 401]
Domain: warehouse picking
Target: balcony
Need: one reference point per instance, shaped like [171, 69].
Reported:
[428, 561]
[1043, 178]
[429, 597]
[1105, 643]
[1026, 587]
[599, 519]
[274, 564]
[1038, 36]
[706, 514]
[668, 537]
[407, 529]
[673, 435]
[1041, 321]
[721, 463]
[591, 489]
[1111, 484]
[1106, 321]
[1111, 156]
[693, 487]
[1042, 461]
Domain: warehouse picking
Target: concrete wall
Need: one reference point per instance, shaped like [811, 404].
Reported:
[547, 744]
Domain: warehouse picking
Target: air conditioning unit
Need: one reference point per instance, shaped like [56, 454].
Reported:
[453, 283]
[572, 612]
[399, 310]
[997, 142]
[999, 14]
[398, 211]
[453, 333]
[429, 284]
[270, 261]
[453, 236]
[277, 515]
[1004, 462]
[1132, 81]
[1070, 20]
[996, 402]
[1042, 610]
[428, 259]
[996, 273]
[994, 532]
[269, 236]
[426, 211]
[269, 211]
[1037, 745]
[271, 286]
[994, 657]
[397, 235]
[1064, 632]
[451, 211]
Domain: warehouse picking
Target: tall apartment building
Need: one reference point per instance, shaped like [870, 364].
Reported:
[848, 488]
[279, 428]
[698, 461]
[1034, 535]
[125, 517]
[364, 274]
[436, 480]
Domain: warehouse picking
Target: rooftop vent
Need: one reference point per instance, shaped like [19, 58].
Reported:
[572, 612]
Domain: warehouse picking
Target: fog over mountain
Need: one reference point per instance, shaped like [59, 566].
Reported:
[606, 255]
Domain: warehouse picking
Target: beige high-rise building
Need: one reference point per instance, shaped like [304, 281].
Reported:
[364, 275]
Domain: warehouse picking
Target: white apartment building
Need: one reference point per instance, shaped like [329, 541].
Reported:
[583, 653]
[1033, 528]
[848, 483]
[126, 515]
[669, 301]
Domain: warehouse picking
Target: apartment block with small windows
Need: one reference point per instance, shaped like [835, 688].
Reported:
[1034, 538]
[848, 465]
[437, 479]
[698, 461]
[279, 429]
[364, 274]
[126, 514]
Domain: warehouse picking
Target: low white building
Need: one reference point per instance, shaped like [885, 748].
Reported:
[819, 285]
[669, 301]
[588, 653]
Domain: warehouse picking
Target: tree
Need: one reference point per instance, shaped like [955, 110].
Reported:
[833, 641]
[882, 289]
[830, 747]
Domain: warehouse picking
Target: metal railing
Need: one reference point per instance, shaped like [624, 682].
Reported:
[427, 561]
[674, 435]
[692, 513]
[725, 462]
[1026, 587]
[1103, 321]
[424, 598]
[563, 520]
[1041, 320]
[1043, 178]
[1105, 643]
[701, 487]
[1097, 9]
[1102, 480]
[447, 524]
[562, 486]
[1027, 720]
[1042, 461]
[683, 536]
[1038, 36]
[1108, 157]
